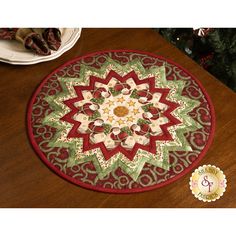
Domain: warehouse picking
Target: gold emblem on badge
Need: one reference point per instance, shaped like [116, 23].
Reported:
[208, 183]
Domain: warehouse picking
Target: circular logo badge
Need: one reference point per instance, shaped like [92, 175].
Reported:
[208, 183]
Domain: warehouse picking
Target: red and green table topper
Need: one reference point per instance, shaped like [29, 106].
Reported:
[121, 121]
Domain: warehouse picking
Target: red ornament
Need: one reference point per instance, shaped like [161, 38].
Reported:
[118, 136]
[144, 96]
[122, 87]
[101, 93]
[88, 109]
[204, 60]
[141, 129]
[96, 126]
[153, 113]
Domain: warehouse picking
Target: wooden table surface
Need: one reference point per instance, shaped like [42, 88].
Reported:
[25, 181]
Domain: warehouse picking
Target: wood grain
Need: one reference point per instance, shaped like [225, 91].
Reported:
[26, 182]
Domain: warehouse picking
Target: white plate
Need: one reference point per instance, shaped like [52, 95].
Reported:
[13, 52]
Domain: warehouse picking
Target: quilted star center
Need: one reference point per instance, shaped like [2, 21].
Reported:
[121, 111]
[121, 116]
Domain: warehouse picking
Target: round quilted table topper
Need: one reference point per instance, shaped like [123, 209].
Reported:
[120, 121]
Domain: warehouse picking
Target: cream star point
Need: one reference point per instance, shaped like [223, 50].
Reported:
[120, 122]
[121, 99]
[110, 103]
[110, 118]
[135, 111]
[130, 118]
[106, 110]
[131, 103]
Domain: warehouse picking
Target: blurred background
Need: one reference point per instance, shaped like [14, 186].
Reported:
[212, 48]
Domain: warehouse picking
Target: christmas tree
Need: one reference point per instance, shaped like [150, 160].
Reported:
[213, 49]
